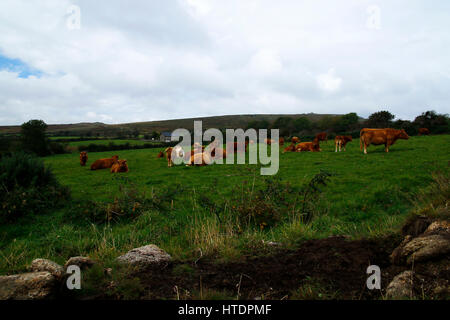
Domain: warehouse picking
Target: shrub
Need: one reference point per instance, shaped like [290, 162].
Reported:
[28, 187]
[267, 205]
[127, 205]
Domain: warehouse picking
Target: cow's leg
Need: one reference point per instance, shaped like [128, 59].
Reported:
[336, 145]
[365, 148]
[386, 148]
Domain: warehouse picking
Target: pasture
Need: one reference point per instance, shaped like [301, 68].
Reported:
[367, 196]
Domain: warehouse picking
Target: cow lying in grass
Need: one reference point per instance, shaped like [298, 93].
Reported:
[83, 158]
[341, 141]
[295, 139]
[385, 136]
[119, 166]
[289, 148]
[104, 163]
[308, 146]
[199, 159]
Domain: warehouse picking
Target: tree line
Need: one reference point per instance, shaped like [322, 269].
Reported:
[351, 123]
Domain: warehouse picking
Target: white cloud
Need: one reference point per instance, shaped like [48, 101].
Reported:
[329, 81]
[152, 60]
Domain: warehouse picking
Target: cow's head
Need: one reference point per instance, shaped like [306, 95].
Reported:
[348, 138]
[403, 135]
[115, 158]
[123, 165]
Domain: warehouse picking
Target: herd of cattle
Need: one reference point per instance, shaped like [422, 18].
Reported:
[199, 157]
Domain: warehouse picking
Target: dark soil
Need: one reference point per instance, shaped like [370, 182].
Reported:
[337, 265]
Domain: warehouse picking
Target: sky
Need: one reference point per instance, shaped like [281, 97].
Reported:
[127, 61]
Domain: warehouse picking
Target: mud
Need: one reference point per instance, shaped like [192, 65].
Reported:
[337, 264]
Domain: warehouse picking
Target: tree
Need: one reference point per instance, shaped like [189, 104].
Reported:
[347, 122]
[436, 123]
[155, 135]
[380, 119]
[284, 124]
[33, 137]
[302, 124]
[262, 124]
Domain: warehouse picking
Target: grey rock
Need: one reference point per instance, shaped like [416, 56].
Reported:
[440, 226]
[47, 265]
[82, 262]
[145, 257]
[425, 248]
[28, 286]
[401, 286]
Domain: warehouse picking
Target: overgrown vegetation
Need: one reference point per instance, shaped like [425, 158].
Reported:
[127, 205]
[27, 187]
[268, 204]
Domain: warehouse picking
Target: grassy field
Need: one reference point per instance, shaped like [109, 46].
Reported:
[367, 196]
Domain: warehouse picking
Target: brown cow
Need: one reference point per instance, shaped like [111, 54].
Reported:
[342, 141]
[160, 155]
[178, 152]
[281, 141]
[237, 147]
[203, 159]
[385, 136]
[322, 136]
[83, 158]
[308, 146]
[424, 131]
[289, 148]
[104, 163]
[119, 166]
[295, 139]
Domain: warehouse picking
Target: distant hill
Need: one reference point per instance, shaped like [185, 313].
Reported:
[229, 121]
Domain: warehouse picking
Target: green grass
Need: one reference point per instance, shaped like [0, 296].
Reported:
[369, 195]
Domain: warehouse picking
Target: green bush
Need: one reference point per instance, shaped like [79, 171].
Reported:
[27, 187]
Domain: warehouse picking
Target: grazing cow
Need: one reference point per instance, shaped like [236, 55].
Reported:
[322, 136]
[177, 151]
[203, 159]
[119, 166]
[342, 141]
[385, 136]
[295, 139]
[281, 141]
[424, 131]
[308, 146]
[160, 155]
[83, 158]
[290, 148]
[104, 163]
